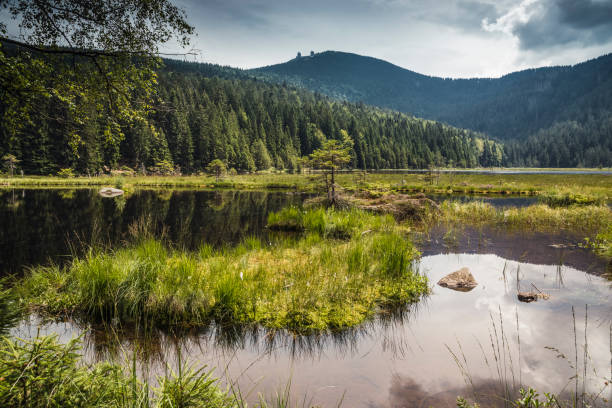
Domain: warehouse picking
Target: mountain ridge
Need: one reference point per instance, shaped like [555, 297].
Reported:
[544, 67]
[513, 106]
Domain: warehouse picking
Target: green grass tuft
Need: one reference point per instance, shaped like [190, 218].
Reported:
[567, 199]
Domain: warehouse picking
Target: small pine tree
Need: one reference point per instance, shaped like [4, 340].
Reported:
[10, 162]
[216, 167]
[332, 156]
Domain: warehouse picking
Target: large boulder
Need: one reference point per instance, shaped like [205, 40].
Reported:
[461, 280]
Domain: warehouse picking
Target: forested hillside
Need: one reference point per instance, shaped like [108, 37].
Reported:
[524, 105]
[204, 112]
[565, 144]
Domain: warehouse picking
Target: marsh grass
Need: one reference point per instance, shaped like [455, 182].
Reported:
[330, 223]
[589, 219]
[10, 310]
[593, 185]
[603, 242]
[566, 199]
[345, 267]
[44, 372]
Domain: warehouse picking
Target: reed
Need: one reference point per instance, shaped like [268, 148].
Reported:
[510, 394]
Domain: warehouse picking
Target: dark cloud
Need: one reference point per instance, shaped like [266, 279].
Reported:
[586, 14]
[552, 23]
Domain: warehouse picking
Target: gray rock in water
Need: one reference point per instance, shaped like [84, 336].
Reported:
[529, 297]
[110, 192]
[461, 280]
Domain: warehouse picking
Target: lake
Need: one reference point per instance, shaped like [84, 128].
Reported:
[451, 343]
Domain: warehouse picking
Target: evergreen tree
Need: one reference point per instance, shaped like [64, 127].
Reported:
[332, 156]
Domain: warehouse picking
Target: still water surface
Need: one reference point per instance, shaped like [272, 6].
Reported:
[38, 226]
[50, 225]
[407, 360]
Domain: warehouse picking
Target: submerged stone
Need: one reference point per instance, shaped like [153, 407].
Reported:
[110, 192]
[461, 280]
[562, 246]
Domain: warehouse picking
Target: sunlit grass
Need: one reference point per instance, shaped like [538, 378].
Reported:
[589, 219]
[345, 267]
[603, 241]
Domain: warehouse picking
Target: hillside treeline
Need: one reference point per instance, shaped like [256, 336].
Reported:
[203, 112]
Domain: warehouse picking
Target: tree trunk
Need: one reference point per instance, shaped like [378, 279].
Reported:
[333, 186]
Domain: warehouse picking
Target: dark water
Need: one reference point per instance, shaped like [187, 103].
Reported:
[50, 225]
[542, 248]
[38, 226]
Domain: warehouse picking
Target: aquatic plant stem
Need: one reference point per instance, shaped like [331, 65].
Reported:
[586, 345]
[575, 359]
[518, 339]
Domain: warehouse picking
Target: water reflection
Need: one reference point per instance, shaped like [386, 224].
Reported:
[547, 248]
[38, 226]
[106, 340]
[498, 201]
[406, 359]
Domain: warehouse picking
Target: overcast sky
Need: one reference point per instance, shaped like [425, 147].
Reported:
[450, 38]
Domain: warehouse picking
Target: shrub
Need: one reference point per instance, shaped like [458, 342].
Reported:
[162, 168]
[66, 173]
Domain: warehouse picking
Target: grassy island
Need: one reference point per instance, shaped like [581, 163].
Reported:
[344, 267]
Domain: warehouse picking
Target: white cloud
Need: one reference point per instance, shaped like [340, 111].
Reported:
[518, 15]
